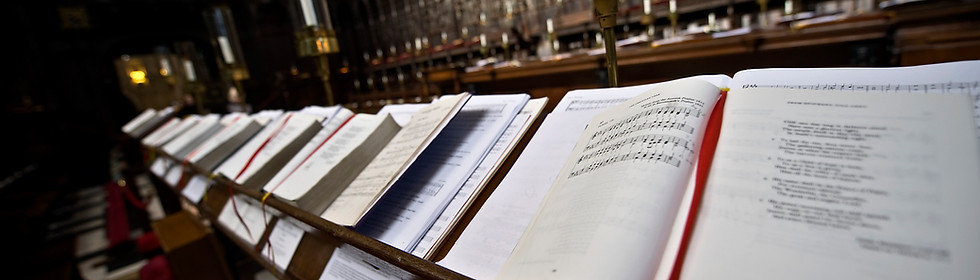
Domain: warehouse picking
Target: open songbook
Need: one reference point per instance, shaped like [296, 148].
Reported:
[793, 173]
[146, 122]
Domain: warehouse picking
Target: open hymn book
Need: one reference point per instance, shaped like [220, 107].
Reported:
[844, 182]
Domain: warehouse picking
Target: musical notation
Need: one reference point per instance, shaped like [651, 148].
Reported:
[649, 153]
[972, 88]
[584, 105]
[649, 141]
[618, 141]
[664, 117]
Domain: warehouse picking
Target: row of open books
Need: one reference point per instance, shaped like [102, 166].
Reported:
[772, 173]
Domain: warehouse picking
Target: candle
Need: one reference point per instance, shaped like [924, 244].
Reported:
[504, 38]
[225, 47]
[551, 26]
[309, 17]
[673, 6]
[189, 70]
[647, 7]
[483, 40]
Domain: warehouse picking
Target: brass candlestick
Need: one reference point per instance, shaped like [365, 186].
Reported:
[606, 11]
[763, 12]
[673, 15]
[319, 42]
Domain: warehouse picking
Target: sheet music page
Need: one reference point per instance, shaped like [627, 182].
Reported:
[264, 117]
[348, 262]
[235, 127]
[293, 128]
[598, 100]
[325, 114]
[139, 120]
[942, 78]
[410, 206]
[188, 140]
[251, 213]
[312, 170]
[483, 247]
[154, 137]
[188, 122]
[402, 113]
[831, 185]
[392, 160]
[634, 158]
[144, 128]
[234, 163]
[480, 177]
[196, 187]
[331, 125]
[283, 240]
[488, 240]
[174, 173]
[159, 166]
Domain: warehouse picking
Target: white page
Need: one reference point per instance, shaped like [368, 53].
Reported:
[253, 155]
[185, 124]
[145, 127]
[677, 230]
[285, 136]
[251, 213]
[234, 164]
[196, 187]
[475, 183]
[492, 234]
[324, 113]
[833, 185]
[159, 166]
[155, 136]
[180, 146]
[232, 128]
[174, 173]
[323, 160]
[321, 136]
[402, 113]
[139, 120]
[266, 116]
[488, 240]
[942, 78]
[634, 158]
[393, 160]
[348, 263]
[283, 241]
[598, 100]
[411, 205]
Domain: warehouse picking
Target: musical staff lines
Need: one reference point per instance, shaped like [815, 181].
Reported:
[593, 104]
[671, 150]
[662, 134]
[972, 88]
[663, 117]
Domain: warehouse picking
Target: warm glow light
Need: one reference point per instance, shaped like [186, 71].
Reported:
[138, 76]
[163, 72]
